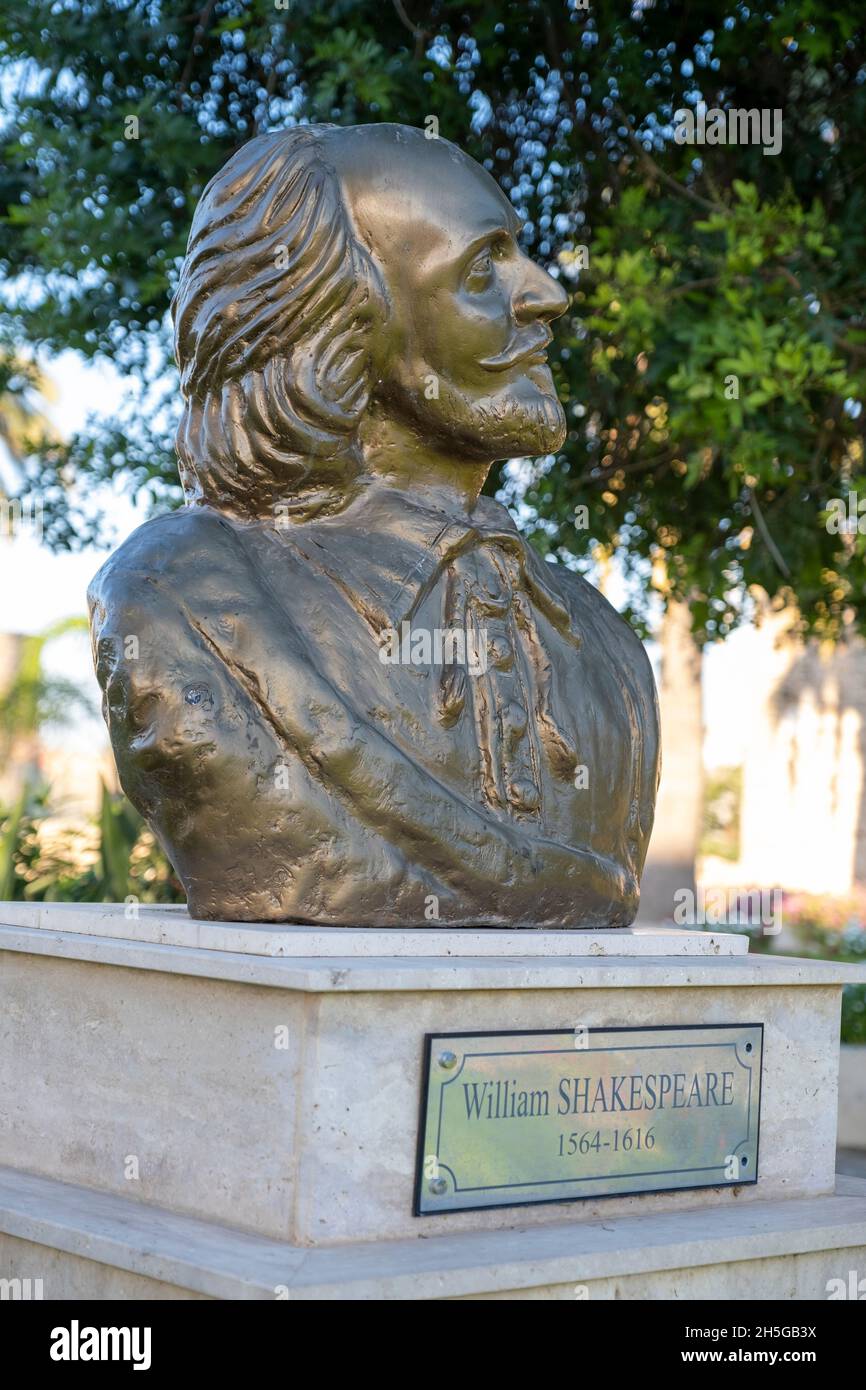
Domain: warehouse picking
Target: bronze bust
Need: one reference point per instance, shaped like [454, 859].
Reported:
[339, 685]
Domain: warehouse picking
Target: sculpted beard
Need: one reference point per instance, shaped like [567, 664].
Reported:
[507, 423]
[515, 426]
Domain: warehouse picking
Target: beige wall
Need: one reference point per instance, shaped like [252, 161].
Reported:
[803, 821]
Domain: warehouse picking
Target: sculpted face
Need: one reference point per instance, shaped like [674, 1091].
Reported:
[462, 356]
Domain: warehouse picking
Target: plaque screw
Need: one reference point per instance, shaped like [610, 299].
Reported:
[439, 1187]
[447, 1060]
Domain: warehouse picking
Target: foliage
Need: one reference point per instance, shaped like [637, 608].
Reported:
[723, 793]
[117, 859]
[10, 839]
[854, 1014]
[705, 263]
[23, 389]
[34, 698]
[835, 929]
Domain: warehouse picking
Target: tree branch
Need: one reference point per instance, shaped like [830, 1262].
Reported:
[644, 465]
[765, 535]
[198, 33]
[420, 35]
[649, 163]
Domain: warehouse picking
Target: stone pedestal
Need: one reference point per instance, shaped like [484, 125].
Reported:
[201, 1110]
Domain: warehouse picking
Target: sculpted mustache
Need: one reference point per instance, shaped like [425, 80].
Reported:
[517, 350]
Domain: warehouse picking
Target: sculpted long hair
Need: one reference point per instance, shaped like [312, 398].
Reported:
[272, 317]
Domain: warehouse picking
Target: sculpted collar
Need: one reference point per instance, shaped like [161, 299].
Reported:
[414, 545]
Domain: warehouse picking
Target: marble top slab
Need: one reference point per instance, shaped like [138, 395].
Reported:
[173, 926]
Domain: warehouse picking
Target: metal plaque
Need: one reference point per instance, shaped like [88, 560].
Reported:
[509, 1119]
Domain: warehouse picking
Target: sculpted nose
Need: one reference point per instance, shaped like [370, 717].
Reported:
[538, 296]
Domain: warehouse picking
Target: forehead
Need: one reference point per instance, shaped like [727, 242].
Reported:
[414, 197]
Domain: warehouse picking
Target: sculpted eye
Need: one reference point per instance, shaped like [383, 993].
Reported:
[481, 267]
[480, 271]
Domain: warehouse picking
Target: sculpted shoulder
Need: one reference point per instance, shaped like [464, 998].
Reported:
[590, 605]
[170, 550]
[188, 581]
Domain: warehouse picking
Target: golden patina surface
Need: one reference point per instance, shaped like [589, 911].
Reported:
[339, 684]
[513, 1118]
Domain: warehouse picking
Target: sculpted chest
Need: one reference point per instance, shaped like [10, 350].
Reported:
[464, 670]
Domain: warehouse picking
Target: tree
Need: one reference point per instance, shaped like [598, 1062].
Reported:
[713, 361]
[23, 391]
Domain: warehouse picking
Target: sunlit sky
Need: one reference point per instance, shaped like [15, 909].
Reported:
[38, 588]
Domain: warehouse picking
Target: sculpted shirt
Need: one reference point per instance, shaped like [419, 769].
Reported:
[387, 716]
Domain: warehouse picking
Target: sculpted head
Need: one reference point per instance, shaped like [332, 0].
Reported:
[341, 285]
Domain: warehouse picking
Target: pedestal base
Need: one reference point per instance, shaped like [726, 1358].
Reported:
[201, 1110]
[89, 1245]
